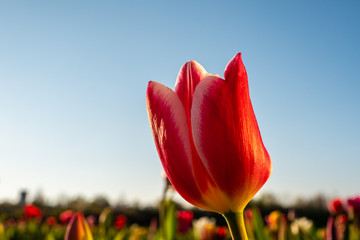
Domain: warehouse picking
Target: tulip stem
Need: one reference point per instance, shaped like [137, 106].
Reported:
[235, 221]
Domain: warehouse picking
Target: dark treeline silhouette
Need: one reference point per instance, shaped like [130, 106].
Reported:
[314, 208]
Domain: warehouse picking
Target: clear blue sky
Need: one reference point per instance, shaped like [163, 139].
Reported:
[73, 78]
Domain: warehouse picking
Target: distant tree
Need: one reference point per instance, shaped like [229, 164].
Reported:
[78, 204]
[98, 204]
[39, 199]
[318, 202]
[267, 200]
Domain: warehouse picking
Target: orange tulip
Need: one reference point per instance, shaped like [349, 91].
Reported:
[78, 229]
[207, 137]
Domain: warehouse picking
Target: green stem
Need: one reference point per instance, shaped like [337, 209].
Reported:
[235, 221]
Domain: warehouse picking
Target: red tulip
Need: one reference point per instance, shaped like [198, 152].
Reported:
[78, 229]
[353, 206]
[184, 219]
[51, 221]
[221, 233]
[30, 211]
[336, 206]
[207, 137]
[66, 216]
[120, 221]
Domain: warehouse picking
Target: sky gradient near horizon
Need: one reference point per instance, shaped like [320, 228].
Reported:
[73, 77]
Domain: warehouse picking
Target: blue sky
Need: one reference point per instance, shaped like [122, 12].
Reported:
[73, 78]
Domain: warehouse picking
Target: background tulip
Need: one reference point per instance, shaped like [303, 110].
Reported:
[208, 139]
[66, 216]
[78, 229]
[30, 211]
[336, 206]
[184, 219]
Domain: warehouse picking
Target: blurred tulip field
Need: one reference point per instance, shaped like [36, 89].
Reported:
[170, 221]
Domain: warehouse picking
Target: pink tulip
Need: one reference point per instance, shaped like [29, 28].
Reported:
[353, 206]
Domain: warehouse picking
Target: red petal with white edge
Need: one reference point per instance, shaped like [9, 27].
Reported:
[188, 78]
[227, 137]
[171, 134]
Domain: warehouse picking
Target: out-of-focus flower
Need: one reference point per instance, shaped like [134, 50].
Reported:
[291, 215]
[91, 220]
[106, 216]
[2, 231]
[207, 137]
[51, 221]
[30, 211]
[78, 228]
[120, 221]
[273, 219]
[336, 206]
[248, 214]
[302, 224]
[330, 229]
[353, 206]
[204, 228]
[66, 216]
[138, 233]
[10, 223]
[184, 219]
[221, 233]
[335, 227]
[152, 228]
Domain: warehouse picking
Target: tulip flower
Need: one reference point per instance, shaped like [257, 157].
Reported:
[273, 220]
[30, 211]
[184, 219]
[336, 206]
[66, 216]
[51, 221]
[353, 206]
[120, 221]
[208, 140]
[221, 233]
[204, 228]
[78, 229]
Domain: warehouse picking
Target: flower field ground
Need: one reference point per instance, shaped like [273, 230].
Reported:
[337, 219]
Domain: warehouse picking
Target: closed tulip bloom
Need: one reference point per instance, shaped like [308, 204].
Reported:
[120, 221]
[66, 216]
[78, 229]
[207, 137]
[353, 206]
[184, 219]
[51, 221]
[336, 206]
[30, 211]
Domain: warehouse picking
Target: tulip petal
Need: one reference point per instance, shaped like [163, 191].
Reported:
[188, 78]
[172, 139]
[227, 137]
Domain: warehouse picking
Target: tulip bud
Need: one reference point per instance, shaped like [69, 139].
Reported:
[78, 229]
[335, 206]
